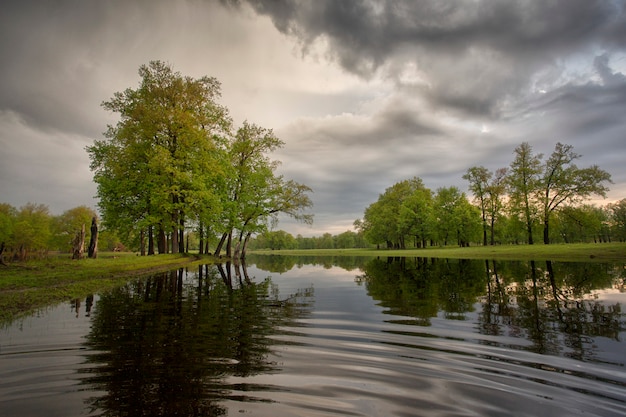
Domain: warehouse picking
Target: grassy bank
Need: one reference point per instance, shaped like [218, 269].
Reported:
[24, 287]
[579, 252]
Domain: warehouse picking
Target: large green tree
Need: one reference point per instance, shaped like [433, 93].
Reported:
[159, 166]
[563, 183]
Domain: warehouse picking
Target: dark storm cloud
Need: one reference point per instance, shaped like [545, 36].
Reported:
[473, 53]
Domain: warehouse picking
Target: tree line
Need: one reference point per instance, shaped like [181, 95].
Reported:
[174, 164]
[531, 200]
[512, 205]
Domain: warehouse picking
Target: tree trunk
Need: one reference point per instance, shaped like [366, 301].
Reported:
[142, 242]
[93, 240]
[1, 254]
[79, 244]
[181, 233]
[245, 246]
[236, 254]
[218, 250]
[150, 240]
[162, 241]
[201, 238]
[175, 239]
[229, 243]
[546, 232]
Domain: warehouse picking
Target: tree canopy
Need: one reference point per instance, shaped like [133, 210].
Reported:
[174, 163]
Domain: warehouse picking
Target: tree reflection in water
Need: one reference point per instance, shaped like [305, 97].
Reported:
[551, 305]
[166, 346]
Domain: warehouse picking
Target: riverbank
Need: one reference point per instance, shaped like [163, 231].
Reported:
[27, 286]
[578, 252]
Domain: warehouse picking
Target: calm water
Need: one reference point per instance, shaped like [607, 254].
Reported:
[312, 337]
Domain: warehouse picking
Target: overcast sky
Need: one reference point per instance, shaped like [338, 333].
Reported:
[363, 93]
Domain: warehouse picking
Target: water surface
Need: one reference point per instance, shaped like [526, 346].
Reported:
[330, 337]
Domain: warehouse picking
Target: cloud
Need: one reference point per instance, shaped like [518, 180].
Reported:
[471, 54]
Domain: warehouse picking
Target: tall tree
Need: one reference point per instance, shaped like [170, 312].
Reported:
[158, 165]
[523, 183]
[478, 178]
[495, 194]
[563, 182]
[255, 193]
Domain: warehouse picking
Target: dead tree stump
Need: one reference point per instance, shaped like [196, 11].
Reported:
[78, 245]
[92, 252]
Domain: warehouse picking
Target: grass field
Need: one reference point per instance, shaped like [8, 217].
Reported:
[579, 252]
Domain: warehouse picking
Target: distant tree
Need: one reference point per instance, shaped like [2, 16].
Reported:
[32, 230]
[381, 220]
[346, 240]
[523, 183]
[562, 182]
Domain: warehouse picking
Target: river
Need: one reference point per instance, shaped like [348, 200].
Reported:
[290, 336]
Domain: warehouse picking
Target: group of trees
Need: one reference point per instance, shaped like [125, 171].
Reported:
[511, 204]
[32, 231]
[174, 164]
[409, 214]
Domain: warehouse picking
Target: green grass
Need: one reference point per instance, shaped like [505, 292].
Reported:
[578, 252]
[25, 287]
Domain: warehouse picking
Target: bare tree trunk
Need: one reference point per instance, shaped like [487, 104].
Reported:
[236, 253]
[142, 242]
[245, 246]
[218, 250]
[79, 244]
[201, 238]
[150, 241]
[162, 241]
[93, 240]
[1, 254]
[229, 243]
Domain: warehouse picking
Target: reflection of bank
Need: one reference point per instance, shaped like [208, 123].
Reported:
[548, 304]
[167, 344]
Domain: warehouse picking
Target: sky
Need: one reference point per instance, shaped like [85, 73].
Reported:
[363, 93]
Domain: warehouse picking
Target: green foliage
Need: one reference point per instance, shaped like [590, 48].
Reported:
[172, 163]
[617, 213]
[511, 205]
